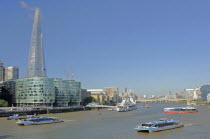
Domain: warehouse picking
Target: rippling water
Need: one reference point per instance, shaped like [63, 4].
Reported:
[106, 124]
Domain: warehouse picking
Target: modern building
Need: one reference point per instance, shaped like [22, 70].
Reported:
[67, 92]
[62, 92]
[8, 73]
[11, 73]
[36, 62]
[43, 91]
[205, 89]
[35, 91]
[75, 92]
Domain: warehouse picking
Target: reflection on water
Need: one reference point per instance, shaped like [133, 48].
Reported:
[105, 124]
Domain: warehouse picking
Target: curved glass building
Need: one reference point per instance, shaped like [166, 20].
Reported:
[35, 91]
[47, 92]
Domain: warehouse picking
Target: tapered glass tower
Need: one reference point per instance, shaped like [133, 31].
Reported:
[36, 62]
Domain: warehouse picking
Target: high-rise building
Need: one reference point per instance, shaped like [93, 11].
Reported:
[11, 73]
[205, 90]
[36, 63]
[8, 73]
[1, 71]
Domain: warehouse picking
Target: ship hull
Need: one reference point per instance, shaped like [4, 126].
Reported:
[159, 129]
[180, 111]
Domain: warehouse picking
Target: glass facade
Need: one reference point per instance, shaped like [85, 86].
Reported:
[75, 92]
[43, 91]
[205, 89]
[62, 93]
[67, 93]
[35, 91]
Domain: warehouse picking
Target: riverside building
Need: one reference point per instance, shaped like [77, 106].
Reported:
[43, 91]
[35, 91]
[99, 95]
[67, 92]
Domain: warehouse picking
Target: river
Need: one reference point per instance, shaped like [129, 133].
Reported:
[106, 124]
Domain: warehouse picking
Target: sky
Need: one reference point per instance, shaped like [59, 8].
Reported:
[149, 46]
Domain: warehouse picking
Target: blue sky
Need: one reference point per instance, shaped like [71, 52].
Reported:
[150, 46]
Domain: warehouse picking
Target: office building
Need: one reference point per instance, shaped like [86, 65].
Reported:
[205, 89]
[36, 91]
[67, 92]
[11, 73]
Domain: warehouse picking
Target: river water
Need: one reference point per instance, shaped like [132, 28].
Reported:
[106, 124]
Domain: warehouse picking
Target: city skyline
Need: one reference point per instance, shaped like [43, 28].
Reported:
[135, 44]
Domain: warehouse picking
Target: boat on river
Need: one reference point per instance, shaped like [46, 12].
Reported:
[15, 116]
[128, 104]
[180, 110]
[161, 125]
[39, 121]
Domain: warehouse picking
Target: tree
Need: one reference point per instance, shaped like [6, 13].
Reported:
[89, 100]
[3, 103]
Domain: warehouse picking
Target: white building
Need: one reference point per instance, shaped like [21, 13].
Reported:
[208, 97]
[11, 73]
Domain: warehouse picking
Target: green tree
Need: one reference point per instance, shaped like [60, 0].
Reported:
[89, 100]
[3, 103]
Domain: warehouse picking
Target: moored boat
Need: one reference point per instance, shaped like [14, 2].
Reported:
[15, 116]
[39, 121]
[128, 104]
[121, 108]
[180, 110]
[161, 125]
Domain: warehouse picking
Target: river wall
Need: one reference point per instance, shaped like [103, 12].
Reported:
[42, 111]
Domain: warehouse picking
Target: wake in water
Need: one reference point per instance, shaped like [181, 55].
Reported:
[188, 124]
[69, 120]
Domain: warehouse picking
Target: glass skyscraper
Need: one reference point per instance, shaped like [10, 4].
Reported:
[36, 62]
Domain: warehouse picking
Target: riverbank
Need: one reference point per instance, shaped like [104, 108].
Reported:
[42, 111]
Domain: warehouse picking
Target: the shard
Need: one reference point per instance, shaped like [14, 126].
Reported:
[36, 62]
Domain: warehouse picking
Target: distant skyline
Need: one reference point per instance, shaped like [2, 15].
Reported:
[151, 47]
